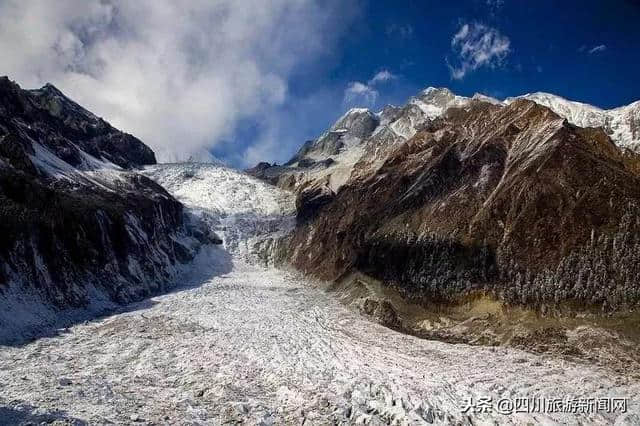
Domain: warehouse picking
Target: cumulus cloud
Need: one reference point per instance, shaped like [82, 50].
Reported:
[179, 75]
[476, 45]
[366, 93]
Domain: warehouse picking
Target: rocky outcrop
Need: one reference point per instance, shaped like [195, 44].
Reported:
[511, 201]
[310, 201]
[74, 217]
[328, 160]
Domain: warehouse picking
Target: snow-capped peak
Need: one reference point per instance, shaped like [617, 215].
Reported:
[621, 123]
[357, 111]
[360, 133]
[434, 101]
[485, 98]
[557, 102]
[356, 118]
[435, 90]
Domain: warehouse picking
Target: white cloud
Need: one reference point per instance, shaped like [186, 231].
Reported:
[598, 48]
[382, 77]
[179, 75]
[477, 45]
[594, 49]
[360, 92]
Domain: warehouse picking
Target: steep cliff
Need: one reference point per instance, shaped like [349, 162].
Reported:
[75, 218]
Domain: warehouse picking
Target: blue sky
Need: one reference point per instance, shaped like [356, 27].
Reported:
[587, 51]
[551, 48]
[249, 80]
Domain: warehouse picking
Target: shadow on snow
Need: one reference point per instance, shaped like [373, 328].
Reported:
[212, 261]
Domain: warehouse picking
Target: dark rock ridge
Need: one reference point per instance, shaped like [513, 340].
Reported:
[66, 128]
[507, 200]
[74, 217]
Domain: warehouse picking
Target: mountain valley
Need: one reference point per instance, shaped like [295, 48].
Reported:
[381, 276]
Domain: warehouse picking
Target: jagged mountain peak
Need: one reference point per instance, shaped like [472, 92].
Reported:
[60, 105]
[61, 135]
[551, 100]
[356, 117]
[485, 98]
[433, 101]
[361, 136]
[436, 95]
[6, 82]
[50, 88]
[622, 124]
[358, 110]
[632, 105]
[435, 90]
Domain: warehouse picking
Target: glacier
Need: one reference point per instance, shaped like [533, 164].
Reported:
[242, 341]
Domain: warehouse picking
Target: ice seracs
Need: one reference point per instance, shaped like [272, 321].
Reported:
[247, 214]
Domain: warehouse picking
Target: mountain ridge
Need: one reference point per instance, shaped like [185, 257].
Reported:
[332, 158]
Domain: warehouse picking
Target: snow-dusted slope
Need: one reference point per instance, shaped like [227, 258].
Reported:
[622, 124]
[330, 159]
[435, 101]
[578, 113]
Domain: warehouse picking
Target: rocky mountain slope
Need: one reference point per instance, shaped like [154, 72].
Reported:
[360, 133]
[622, 124]
[76, 219]
[364, 136]
[459, 197]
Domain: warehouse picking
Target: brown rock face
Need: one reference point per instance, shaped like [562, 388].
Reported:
[512, 201]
